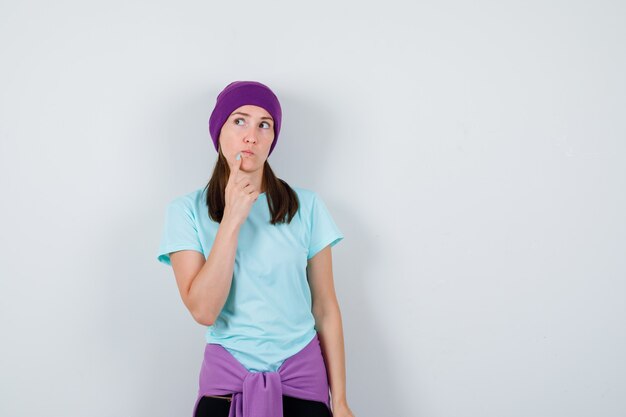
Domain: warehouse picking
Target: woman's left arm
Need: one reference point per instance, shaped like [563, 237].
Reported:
[329, 327]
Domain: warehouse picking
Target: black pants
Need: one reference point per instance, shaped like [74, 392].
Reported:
[292, 407]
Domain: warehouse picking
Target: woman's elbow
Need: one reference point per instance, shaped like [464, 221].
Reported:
[202, 318]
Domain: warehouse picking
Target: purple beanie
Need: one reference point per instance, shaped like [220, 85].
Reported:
[241, 93]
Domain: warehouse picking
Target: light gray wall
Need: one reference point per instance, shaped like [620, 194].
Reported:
[473, 154]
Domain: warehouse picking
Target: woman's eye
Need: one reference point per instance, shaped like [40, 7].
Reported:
[240, 118]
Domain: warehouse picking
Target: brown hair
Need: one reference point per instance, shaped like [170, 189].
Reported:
[282, 200]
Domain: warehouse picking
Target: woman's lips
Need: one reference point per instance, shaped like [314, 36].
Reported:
[247, 153]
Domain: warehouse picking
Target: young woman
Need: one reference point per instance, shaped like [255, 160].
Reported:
[252, 260]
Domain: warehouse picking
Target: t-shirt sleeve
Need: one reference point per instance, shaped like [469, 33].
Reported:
[179, 231]
[324, 230]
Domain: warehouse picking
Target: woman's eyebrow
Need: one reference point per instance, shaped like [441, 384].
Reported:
[246, 114]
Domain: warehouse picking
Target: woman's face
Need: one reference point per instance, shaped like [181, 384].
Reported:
[248, 128]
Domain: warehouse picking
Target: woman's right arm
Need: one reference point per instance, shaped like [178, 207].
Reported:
[204, 285]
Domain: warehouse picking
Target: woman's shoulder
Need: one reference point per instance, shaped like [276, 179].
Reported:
[196, 200]
[306, 195]
[191, 199]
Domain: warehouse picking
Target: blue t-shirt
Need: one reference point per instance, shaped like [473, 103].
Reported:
[267, 316]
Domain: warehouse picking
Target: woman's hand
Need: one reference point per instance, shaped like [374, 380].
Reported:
[342, 410]
[239, 194]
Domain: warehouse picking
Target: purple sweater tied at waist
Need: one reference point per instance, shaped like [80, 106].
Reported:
[259, 394]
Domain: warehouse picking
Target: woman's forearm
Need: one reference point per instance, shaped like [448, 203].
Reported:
[330, 330]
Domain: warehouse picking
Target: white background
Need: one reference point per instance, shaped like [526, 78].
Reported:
[473, 154]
